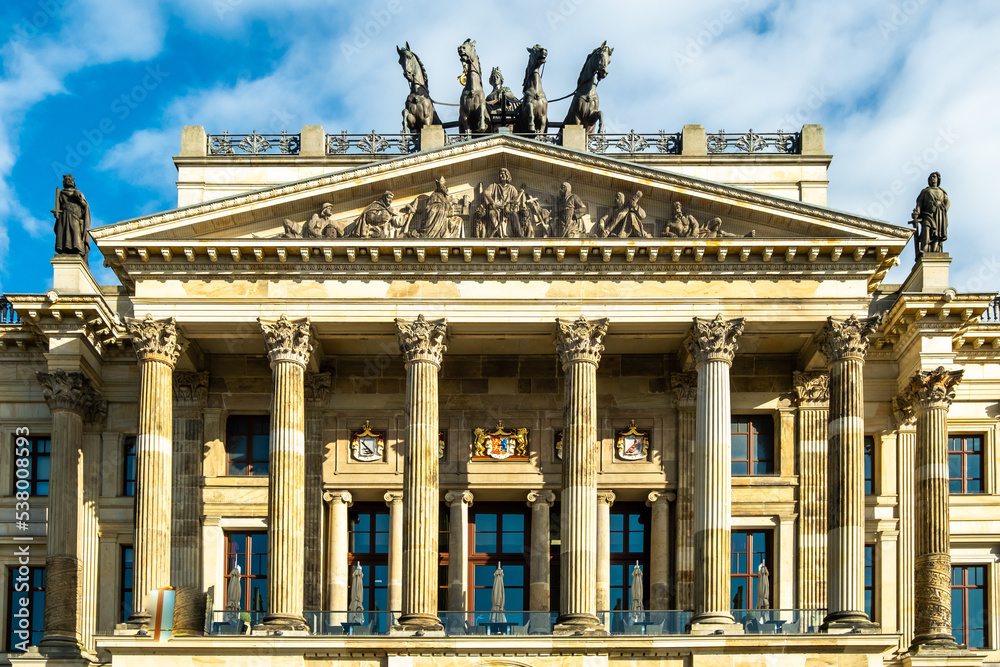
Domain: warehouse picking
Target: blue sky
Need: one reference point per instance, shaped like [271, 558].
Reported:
[102, 88]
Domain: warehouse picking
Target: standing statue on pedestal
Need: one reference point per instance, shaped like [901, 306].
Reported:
[583, 110]
[72, 213]
[930, 217]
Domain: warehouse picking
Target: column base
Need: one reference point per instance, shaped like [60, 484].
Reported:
[54, 656]
[718, 623]
[429, 625]
[579, 624]
[935, 655]
[848, 622]
[138, 620]
[283, 623]
[935, 643]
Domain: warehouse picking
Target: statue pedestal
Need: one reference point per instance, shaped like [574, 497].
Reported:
[929, 274]
[70, 275]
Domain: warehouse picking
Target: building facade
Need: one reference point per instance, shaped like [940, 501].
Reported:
[494, 400]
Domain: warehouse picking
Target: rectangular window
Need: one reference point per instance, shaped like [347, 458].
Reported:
[968, 605]
[965, 464]
[368, 546]
[125, 597]
[25, 591]
[499, 537]
[869, 578]
[869, 465]
[752, 445]
[128, 471]
[248, 443]
[629, 546]
[39, 451]
[750, 550]
[248, 552]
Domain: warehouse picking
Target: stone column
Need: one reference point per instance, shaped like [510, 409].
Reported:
[71, 399]
[317, 392]
[905, 445]
[289, 346]
[422, 343]
[458, 550]
[158, 347]
[579, 344]
[190, 398]
[605, 499]
[394, 499]
[338, 572]
[929, 394]
[685, 386]
[812, 393]
[845, 344]
[712, 345]
[539, 599]
[659, 549]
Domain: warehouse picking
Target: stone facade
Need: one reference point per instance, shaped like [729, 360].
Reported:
[424, 385]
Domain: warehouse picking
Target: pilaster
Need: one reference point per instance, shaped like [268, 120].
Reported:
[812, 394]
[685, 386]
[317, 391]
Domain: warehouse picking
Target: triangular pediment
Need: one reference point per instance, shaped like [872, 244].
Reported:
[537, 172]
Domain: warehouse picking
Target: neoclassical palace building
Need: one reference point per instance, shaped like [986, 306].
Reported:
[496, 399]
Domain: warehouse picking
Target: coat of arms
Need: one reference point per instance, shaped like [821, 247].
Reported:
[501, 443]
[442, 439]
[368, 445]
[632, 444]
[558, 440]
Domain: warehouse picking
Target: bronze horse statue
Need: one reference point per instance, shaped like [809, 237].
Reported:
[533, 115]
[472, 114]
[583, 110]
[419, 110]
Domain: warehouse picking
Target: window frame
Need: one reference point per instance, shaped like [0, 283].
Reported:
[961, 630]
[247, 577]
[254, 467]
[869, 464]
[752, 421]
[130, 482]
[125, 582]
[33, 457]
[627, 557]
[371, 559]
[869, 580]
[751, 577]
[964, 455]
[504, 558]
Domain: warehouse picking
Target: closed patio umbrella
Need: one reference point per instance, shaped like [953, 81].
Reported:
[497, 614]
[234, 595]
[356, 607]
[636, 609]
[763, 588]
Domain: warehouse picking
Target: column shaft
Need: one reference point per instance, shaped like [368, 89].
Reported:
[337, 566]
[317, 389]
[813, 417]
[685, 386]
[659, 549]
[605, 499]
[538, 592]
[394, 499]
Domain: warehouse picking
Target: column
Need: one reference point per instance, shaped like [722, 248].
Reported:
[394, 499]
[605, 499]
[458, 553]
[685, 386]
[317, 391]
[845, 344]
[190, 398]
[659, 549]
[812, 394]
[579, 344]
[289, 347]
[712, 345]
[70, 397]
[422, 343]
[930, 394]
[158, 347]
[539, 599]
[905, 445]
[338, 572]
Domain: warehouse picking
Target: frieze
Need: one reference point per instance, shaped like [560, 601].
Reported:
[811, 388]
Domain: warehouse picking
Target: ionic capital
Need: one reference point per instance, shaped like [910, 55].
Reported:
[422, 340]
[606, 498]
[317, 388]
[931, 389]
[190, 389]
[156, 339]
[580, 339]
[542, 497]
[339, 497]
[847, 339]
[660, 496]
[73, 392]
[288, 340]
[393, 498]
[685, 386]
[714, 340]
[811, 389]
[452, 497]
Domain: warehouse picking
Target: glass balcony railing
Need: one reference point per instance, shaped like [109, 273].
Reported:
[645, 622]
[779, 621]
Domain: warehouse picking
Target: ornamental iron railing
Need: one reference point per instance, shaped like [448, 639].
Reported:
[992, 314]
[633, 143]
[754, 142]
[254, 144]
[371, 144]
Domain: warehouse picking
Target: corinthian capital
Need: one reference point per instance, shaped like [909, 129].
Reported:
[931, 389]
[580, 339]
[422, 340]
[288, 340]
[156, 339]
[841, 340]
[73, 392]
[190, 389]
[317, 388]
[714, 340]
[685, 386]
[811, 388]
